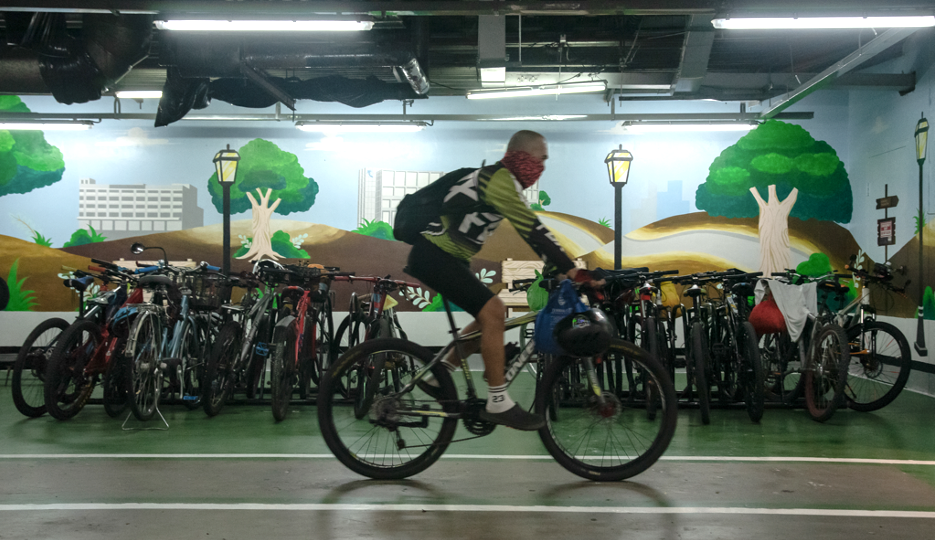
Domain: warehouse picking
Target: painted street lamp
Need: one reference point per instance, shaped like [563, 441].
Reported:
[921, 134]
[225, 164]
[618, 171]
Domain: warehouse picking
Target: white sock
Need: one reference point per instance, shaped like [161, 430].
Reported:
[431, 380]
[498, 400]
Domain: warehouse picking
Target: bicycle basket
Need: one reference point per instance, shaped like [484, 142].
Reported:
[208, 291]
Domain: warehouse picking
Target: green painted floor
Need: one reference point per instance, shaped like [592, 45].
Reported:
[474, 492]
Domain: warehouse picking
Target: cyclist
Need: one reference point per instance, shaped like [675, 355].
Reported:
[468, 206]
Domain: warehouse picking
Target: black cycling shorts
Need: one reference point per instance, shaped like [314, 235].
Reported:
[448, 275]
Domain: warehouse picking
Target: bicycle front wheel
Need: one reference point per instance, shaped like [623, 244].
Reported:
[827, 372]
[67, 386]
[30, 364]
[602, 437]
[879, 365]
[220, 373]
[752, 376]
[401, 434]
[282, 376]
[701, 364]
[145, 375]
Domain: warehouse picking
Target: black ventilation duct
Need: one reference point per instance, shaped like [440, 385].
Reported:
[74, 69]
[193, 61]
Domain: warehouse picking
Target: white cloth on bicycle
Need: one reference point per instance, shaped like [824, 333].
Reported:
[795, 302]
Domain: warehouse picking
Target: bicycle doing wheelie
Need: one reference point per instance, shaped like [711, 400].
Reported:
[404, 430]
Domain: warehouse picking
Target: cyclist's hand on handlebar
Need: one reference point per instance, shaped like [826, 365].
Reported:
[579, 275]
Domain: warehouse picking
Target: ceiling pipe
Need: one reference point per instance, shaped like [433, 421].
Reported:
[75, 70]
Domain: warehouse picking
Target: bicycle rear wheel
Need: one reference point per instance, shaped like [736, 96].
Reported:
[827, 372]
[351, 332]
[601, 438]
[29, 367]
[879, 365]
[393, 439]
[115, 382]
[144, 373]
[67, 386]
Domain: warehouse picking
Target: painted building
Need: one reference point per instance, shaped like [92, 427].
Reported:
[125, 210]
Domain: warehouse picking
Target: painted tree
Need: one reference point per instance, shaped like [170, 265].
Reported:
[275, 175]
[776, 171]
[27, 161]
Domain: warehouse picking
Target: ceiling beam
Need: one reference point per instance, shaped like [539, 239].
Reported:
[883, 41]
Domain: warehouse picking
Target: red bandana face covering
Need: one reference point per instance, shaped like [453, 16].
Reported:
[524, 167]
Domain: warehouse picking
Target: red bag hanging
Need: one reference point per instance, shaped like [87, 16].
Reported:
[766, 318]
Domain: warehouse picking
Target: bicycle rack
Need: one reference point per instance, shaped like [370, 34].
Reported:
[157, 428]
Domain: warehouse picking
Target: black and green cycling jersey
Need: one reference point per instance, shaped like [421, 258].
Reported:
[476, 204]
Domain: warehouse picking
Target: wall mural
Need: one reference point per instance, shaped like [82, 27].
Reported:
[775, 199]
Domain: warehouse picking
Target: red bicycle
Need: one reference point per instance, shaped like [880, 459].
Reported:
[302, 338]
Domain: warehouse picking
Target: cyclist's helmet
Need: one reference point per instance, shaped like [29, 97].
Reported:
[584, 334]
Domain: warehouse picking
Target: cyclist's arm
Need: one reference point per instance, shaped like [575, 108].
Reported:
[503, 193]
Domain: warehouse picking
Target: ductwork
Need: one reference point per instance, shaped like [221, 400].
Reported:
[200, 69]
[196, 56]
[74, 70]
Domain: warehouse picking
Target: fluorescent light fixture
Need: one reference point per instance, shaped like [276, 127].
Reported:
[675, 127]
[812, 23]
[139, 94]
[361, 127]
[45, 126]
[546, 117]
[544, 90]
[493, 74]
[324, 25]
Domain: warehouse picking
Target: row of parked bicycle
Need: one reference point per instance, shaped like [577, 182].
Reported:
[161, 333]
[842, 355]
[167, 333]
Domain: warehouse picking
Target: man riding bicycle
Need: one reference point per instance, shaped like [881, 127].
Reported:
[466, 206]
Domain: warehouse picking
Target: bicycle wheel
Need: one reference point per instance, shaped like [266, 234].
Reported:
[67, 387]
[722, 362]
[752, 379]
[144, 374]
[282, 377]
[783, 381]
[192, 365]
[606, 441]
[392, 440]
[827, 372]
[324, 336]
[700, 363]
[260, 352]
[219, 373]
[30, 364]
[350, 333]
[115, 383]
[879, 366]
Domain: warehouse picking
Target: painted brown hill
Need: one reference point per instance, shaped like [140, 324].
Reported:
[41, 266]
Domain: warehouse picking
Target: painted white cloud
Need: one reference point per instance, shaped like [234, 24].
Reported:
[135, 137]
[879, 126]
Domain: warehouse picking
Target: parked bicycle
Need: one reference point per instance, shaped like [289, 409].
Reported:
[89, 349]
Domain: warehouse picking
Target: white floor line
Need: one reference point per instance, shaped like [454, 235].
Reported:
[471, 508]
[749, 459]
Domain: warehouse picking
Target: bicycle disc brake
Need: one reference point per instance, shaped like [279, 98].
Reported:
[472, 421]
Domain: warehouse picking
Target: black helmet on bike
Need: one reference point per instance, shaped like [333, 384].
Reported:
[584, 334]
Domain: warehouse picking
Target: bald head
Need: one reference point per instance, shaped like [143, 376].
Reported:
[524, 141]
[530, 142]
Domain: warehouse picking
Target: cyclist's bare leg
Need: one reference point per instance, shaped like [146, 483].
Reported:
[491, 321]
